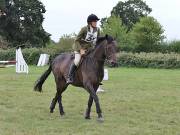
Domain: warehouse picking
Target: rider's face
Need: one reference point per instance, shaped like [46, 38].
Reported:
[94, 24]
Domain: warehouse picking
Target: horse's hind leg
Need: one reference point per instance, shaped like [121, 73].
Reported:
[61, 87]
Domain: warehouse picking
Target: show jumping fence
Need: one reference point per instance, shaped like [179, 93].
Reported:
[21, 65]
[4, 64]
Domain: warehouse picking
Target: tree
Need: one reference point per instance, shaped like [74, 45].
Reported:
[147, 34]
[2, 4]
[23, 23]
[3, 43]
[66, 41]
[113, 26]
[131, 11]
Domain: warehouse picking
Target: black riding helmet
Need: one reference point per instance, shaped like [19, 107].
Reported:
[92, 17]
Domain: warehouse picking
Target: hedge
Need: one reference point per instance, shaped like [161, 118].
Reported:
[149, 60]
[145, 60]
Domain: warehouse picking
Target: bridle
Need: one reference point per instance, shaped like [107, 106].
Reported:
[106, 53]
[106, 50]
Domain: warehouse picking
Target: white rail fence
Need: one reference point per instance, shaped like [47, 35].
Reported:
[19, 63]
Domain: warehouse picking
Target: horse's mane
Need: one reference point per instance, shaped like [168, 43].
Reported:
[102, 38]
[99, 41]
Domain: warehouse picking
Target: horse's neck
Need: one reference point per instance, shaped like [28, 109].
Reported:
[99, 53]
[94, 63]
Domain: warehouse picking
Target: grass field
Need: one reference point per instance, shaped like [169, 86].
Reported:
[135, 102]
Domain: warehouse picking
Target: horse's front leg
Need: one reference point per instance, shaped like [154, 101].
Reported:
[88, 110]
[92, 92]
[53, 103]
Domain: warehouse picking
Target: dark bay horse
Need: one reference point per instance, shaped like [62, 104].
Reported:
[88, 75]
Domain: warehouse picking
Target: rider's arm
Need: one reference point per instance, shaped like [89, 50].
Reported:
[81, 35]
[78, 41]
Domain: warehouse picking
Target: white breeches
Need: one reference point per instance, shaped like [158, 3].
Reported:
[77, 58]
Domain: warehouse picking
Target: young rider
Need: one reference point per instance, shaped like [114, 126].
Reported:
[85, 39]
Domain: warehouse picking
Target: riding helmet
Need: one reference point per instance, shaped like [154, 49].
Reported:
[92, 17]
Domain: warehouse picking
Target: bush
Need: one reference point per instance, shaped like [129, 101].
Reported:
[66, 42]
[174, 46]
[9, 54]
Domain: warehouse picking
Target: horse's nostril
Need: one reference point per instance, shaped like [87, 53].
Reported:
[113, 64]
[116, 65]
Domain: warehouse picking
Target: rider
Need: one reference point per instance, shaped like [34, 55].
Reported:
[85, 39]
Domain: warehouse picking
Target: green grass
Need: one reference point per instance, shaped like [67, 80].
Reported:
[136, 102]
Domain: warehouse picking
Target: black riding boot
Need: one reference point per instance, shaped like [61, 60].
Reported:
[71, 73]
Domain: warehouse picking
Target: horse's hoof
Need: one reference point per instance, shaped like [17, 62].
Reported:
[100, 119]
[87, 117]
[51, 111]
[100, 84]
[62, 114]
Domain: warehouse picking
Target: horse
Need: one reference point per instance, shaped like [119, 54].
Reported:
[88, 75]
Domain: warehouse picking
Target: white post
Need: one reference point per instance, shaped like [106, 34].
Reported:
[21, 66]
[43, 60]
[106, 77]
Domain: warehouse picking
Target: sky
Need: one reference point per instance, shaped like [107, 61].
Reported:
[68, 16]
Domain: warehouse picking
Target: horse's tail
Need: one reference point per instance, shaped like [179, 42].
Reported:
[41, 80]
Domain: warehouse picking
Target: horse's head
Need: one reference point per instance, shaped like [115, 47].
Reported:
[110, 50]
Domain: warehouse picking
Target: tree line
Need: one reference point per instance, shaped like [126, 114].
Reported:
[129, 23]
